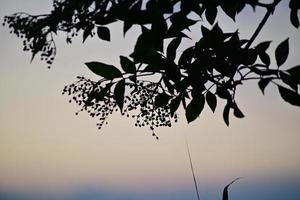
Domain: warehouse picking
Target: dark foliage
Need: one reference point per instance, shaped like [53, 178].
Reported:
[204, 73]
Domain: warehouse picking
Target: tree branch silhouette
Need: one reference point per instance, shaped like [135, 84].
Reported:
[203, 74]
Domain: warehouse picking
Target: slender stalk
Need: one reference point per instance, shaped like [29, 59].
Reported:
[192, 168]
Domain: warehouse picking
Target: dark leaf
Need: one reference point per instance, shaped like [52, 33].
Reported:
[106, 71]
[127, 65]
[282, 52]
[172, 47]
[289, 80]
[249, 56]
[237, 112]
[87, 32]
[194, 108]
[223, 93]
[295, 73]
[210, 14]
[144, 44]
[126, 27]
[186, 56]
[166, 6]
[103, 33]
[153, 58]
[32, 57]
[265, 58]
[180, 22]
[225, 191]
[104, 20]
[161, 100]
[205, 31]
[217, 32]
[294, 6]
[261, 49]
[226, 113]
[119, 93]
[294, 17]
[175, 104]
[229, 7]
[262, 84]
[289, 96]
[263, 46]
[211, 100]
[152, 68]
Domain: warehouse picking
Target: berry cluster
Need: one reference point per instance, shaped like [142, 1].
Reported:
[36, 36]
[142, 100]
[98, 101]
[86, 94]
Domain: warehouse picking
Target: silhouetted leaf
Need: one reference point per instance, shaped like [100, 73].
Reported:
[144, 45]
[161, 100]
[100, 20]
[289, 96]
[282, 52]
[179, 22]
[210, 14]
[295, 6]
[107, 71]
[194, 108]
[87, 32]
[265, 58]
[223, 93]
[261, 49]
[289, 80]
[263, 46]
[186, 56]
[229, 8]
[119, 93]
[295, 73]
[205, 31]
[237, 112]
[103, 33]
[294, 18]
[174, 104]
[262, 83]
[152, 68]
[249, 56]
[211, 100]
[172, 47]
[127, 65]
[225, 191]
[226, 113]
[126, 27]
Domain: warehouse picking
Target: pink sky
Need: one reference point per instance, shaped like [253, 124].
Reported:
[43, 145]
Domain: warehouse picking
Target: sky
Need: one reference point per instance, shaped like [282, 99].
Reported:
[47, 152]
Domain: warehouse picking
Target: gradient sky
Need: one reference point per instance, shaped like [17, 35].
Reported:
[46, 152]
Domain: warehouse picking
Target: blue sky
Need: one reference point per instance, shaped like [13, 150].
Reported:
[46, 152]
